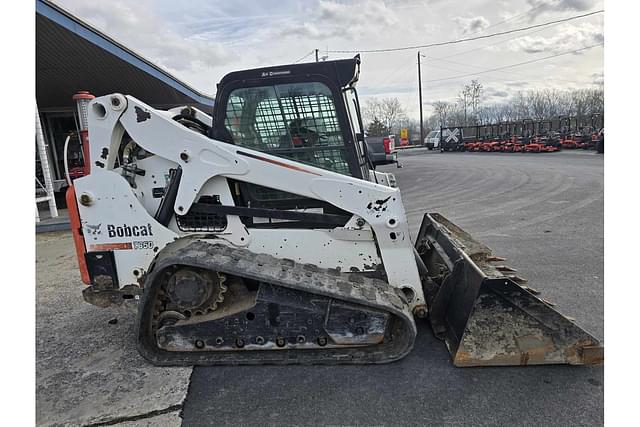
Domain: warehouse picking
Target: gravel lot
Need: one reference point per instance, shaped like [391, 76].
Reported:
[544, 212]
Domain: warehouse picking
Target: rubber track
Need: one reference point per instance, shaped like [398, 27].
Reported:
[330, 283]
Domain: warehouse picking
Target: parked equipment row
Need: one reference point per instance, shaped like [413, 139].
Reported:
[527, 136]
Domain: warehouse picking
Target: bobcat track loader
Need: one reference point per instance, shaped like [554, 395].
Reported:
[262, 235]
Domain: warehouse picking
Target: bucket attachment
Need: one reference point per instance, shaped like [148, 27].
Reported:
[483, 310]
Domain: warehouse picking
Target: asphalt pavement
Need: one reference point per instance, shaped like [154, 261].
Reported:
[544, 212]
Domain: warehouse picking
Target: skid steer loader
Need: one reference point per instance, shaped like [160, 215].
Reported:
[264, 235]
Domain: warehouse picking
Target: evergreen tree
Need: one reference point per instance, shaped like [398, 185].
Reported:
[377, 128]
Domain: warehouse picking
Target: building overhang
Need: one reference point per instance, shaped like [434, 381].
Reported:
[71, 56]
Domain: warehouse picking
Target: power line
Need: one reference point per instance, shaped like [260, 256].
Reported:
[401, 65]
[482, 68]
[468, 39]
[496, 43]
[514, 65]
[511, 74]
[306, 56]
[510, 19]
[443, 58]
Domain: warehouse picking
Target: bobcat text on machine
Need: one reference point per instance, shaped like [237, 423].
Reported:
[264, 235]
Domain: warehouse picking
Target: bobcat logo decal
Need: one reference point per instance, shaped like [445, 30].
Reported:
[93, 229]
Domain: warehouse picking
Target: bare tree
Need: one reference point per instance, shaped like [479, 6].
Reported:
[389, 111]
[464, 98]
[483, 115]
[442, 111]
[596, 99]
[538, 105]
[494, 113]
[475, 92]
[469, 101]
[521, 106]
[565, 104]
[371, 110]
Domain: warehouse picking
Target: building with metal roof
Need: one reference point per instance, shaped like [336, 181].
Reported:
[71, 56]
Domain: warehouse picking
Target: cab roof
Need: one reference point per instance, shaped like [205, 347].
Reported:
[343, 72]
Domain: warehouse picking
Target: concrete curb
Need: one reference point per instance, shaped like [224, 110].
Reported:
[57, 226]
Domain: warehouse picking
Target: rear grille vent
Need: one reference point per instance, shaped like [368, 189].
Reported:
[203, 222]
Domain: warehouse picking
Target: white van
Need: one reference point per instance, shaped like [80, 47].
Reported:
[432, 140]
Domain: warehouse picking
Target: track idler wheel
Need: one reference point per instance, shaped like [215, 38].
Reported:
[194, 291]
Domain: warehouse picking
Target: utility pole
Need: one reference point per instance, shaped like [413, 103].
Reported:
[317, 55]
[420, 100]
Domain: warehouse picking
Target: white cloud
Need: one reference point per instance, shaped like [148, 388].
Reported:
[471, 25]
[491, 92]
[569, 38]
[546, 6]
[354, 21]
[597, 78]
[149, 36]
[200, 43]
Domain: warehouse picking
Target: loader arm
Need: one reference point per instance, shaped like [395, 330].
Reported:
[376, 207]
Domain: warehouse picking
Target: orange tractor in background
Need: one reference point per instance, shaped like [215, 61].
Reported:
[568, 139]
[593, 133]
[530, 141]
[537, 137]
[493, 143]
[514, 143]
[482, 133]
[548, 136]
[531, 136]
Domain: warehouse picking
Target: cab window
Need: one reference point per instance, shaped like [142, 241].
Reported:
[297, 121]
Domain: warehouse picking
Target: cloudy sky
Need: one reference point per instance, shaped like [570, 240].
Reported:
[199, 41]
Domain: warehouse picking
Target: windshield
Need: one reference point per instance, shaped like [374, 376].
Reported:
[298, 121]
[432, 134]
